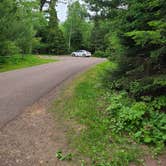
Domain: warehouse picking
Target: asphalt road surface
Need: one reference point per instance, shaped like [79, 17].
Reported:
[21, 88]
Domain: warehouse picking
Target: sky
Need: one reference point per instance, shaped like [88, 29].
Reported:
[62, 11]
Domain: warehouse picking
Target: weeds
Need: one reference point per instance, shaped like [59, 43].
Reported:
[87, 104]
[19, 61]
[62, 157]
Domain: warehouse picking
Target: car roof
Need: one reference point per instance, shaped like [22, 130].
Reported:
[80, 50]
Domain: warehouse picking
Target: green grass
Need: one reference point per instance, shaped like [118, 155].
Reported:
[18, 62]
[84, 105]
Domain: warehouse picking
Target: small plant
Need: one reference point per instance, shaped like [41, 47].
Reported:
[62, 157]
[143, 120]
[82, 163]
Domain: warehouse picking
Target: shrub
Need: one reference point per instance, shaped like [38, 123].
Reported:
[101, 54]
[145, 121]
[7, 48]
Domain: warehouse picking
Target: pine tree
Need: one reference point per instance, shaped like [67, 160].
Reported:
[55, 39]
[19, 21]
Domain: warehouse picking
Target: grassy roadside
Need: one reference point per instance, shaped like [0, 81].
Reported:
[83, 105]
[18, 62]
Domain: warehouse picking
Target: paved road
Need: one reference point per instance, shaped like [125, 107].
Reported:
[21, 88]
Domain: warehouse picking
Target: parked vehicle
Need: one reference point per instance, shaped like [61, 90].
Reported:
[81, 53]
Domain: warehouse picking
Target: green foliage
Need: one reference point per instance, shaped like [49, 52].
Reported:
[113, 122]
[143, 120]
[7, 48]
[21, 61]
[55, 42]
[114, 45]
[84, 103]
[144, 37]
[99, 32]
[76, 28]
[76, 40]
[101, 54]
[52, 38]
[136, 39]
[25, 29]
[18, 23]
[137, 107]
[61, 157]
[136, 29]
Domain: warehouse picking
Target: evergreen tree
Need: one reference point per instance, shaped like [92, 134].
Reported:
[137, 41]
[77, 39]
[52, 36]
[19, 21]
[99, 31]
[136, 33]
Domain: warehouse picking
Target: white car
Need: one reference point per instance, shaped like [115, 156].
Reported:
[81, 53]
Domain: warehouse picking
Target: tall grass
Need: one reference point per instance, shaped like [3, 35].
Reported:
[19, 61]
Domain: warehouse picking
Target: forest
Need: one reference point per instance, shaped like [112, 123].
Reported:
[130, 33]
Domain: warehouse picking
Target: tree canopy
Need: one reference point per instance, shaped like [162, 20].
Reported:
[19, 21]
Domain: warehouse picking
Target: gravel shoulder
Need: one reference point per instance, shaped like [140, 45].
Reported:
[33, 138]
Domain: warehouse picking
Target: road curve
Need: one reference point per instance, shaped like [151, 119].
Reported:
[21, 88]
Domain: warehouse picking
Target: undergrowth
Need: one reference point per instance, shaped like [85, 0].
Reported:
[115, 117]
[137, 106]
[110, 125]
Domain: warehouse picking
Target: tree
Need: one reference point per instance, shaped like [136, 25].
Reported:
[19, 22]
[99, 32]
[76, 28]
[136, 31]
[104, 13]
[52, 39]
[55, 39]
[76, 39]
